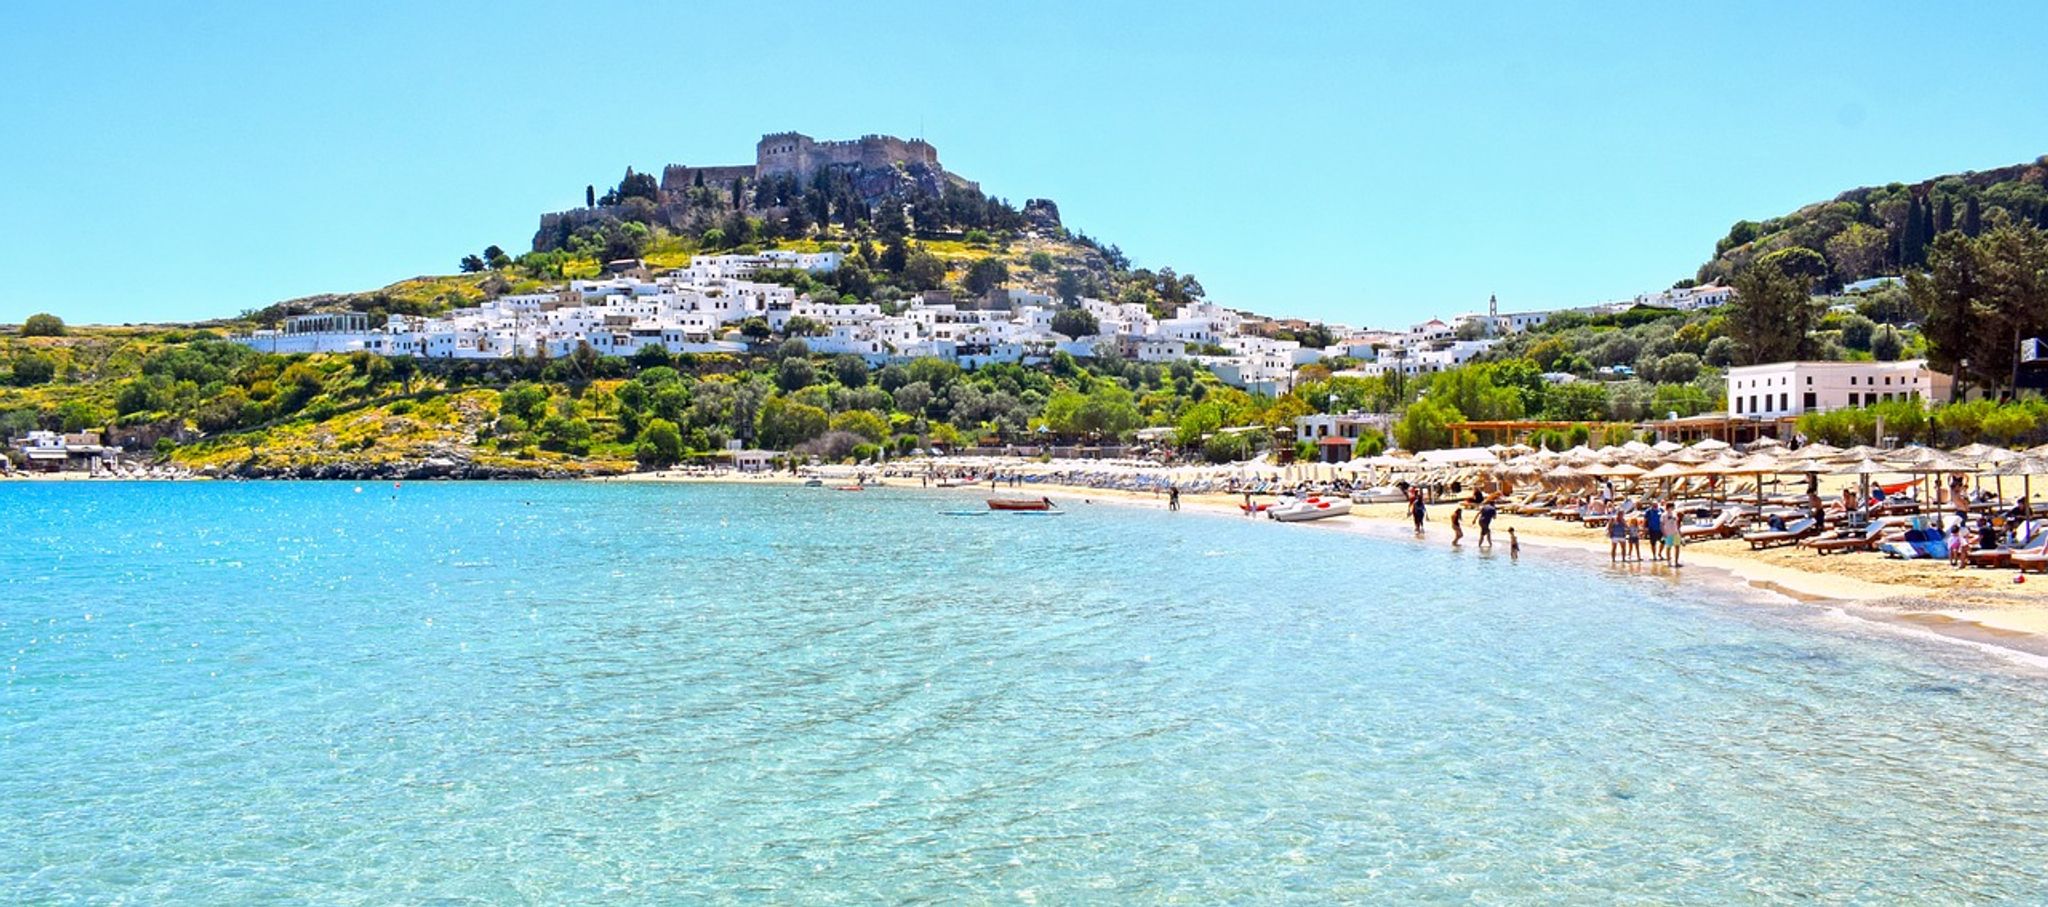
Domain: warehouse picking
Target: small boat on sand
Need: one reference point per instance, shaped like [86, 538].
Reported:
[957, 482]
[1384, 494]
[814, 483]
[1020, 504]
[1313, 507]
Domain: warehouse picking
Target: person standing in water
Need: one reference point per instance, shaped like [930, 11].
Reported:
[1415, 507]
[1173, 497]
[1457, 526]
[1674, 538]
[1486, 514]
[1514, 545]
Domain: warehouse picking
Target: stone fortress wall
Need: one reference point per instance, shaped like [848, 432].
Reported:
[801, 156]
[677, 178]
[780, 153]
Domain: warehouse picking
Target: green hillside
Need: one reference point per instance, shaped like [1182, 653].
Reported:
[1887, 230]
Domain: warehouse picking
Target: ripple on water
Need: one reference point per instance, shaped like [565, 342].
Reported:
[562, 692]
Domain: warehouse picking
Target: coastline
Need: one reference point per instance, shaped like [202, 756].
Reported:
[1974, 606]
[1956, 605]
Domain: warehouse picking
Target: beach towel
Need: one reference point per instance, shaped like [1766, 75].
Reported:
[1918, 543]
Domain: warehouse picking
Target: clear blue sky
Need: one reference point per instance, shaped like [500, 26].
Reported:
[1353, 162]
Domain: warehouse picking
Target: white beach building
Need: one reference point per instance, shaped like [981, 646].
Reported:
[1786, 389]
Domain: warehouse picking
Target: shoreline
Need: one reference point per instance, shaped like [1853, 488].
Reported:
[1958, 614]
[1962, 606]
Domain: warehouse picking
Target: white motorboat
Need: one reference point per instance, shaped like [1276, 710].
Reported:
[1313, 507]
[1381, 494]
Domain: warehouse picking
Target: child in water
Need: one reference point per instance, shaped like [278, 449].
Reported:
[1514, 545]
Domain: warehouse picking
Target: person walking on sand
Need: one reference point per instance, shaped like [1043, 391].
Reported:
[1486, 514]
[1248, 511]
[1457, 526]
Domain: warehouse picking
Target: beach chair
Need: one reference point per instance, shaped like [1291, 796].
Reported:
[2031, 560]
[1988, 557]
[1792, 533]
[1721, 526]
[1864, 538]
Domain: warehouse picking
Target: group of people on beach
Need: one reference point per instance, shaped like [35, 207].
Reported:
[1657, 521]
[1487, 512]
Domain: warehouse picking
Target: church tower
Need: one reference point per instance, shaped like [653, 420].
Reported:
[1492, 315]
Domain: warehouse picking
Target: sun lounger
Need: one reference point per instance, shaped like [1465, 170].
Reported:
[1793, 532]
[1721, 526]
[1988, 557]
[2035, 561]
[1863, 539]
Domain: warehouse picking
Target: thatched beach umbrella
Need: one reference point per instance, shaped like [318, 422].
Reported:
[2026, 467]
[1860, 452]
[1711, 445]
[1667, 473]
[1815, 451]
[1690, 456]
[1929, 462]
[1759, 465]
[1863, 469]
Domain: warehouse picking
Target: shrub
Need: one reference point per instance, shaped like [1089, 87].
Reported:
[42, 324]
[661, 443]
[1226, 448]
[32, 369]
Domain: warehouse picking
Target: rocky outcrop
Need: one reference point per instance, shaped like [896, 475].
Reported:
[432, 468]
[1042, 214]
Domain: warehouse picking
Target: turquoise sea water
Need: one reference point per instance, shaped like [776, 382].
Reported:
[468, 693]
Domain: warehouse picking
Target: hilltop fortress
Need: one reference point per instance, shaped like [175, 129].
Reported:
[876, 167]
[800, 156]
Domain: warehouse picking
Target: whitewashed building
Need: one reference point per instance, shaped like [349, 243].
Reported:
[1786, 389]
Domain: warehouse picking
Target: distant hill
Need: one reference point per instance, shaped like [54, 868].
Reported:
[1880, 230]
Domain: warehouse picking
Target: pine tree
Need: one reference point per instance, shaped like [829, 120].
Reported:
[589, 196]
[698, 181]
[736, 190]
[1910, 240]
[1945, 217]
[1973, 217]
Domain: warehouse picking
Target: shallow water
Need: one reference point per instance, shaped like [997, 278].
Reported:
[229, 693]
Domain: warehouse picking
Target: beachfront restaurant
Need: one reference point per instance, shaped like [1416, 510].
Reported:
[1724, 427]
[48, 451]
